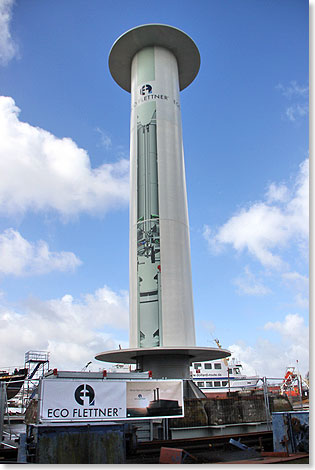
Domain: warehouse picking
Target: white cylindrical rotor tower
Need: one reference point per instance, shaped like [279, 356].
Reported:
[161, 303]
[154, 62]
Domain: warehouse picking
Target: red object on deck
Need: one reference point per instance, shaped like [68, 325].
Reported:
[170, 455]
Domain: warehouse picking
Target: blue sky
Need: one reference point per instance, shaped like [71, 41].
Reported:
[64, 191]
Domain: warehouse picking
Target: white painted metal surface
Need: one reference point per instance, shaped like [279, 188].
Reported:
[155, 98]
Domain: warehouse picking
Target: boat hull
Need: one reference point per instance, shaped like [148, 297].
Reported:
[13, 382]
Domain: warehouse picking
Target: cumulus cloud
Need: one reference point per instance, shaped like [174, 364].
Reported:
[73, 331]
[42, 172]
[277, 193]
[269, 358]
[8, 48]
[293, 328]
[268, 226]
[19, 257]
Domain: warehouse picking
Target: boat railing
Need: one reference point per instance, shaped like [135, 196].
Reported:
[12, 380]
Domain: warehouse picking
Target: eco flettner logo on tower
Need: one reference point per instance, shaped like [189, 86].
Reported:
[146, 89]
[146, 94]
[84, 395]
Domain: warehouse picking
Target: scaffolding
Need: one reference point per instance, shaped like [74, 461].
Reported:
[37, 364]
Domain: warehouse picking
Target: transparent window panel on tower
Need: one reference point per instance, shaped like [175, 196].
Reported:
[148, 237]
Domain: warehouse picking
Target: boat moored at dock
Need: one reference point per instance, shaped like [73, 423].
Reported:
[222, 376]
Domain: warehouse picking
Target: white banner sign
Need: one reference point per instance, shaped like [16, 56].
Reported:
[67, 400]
[75, 400]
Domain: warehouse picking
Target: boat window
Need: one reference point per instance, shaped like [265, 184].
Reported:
[224, 383]
[208, 366]
[197, 365]
[230, 371]
[217, 365]
[237, 371]
[200, 384]
[217, 383]
[208, 384]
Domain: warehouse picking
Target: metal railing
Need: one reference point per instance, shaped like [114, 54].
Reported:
[37, 356]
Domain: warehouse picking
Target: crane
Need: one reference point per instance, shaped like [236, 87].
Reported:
[225, 360]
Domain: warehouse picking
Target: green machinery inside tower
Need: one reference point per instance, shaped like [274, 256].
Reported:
[148, 237]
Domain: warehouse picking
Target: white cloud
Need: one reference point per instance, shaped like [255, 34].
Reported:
[297, 278]
[248, 284]
[19, 257]
[296, 111]
[292, 328]
[209, 235]
[293, 89]
[74, 331]
[257, 229]
[298, 95]
[41, 172]
[298, 207]
[105, 140]
[299, 284]
[271, 358]
[277, 193]
[8, 48]
[301, 301]
[267, 227]
[246, 355]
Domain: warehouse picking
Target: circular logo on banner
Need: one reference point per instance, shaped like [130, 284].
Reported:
[85, 395]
